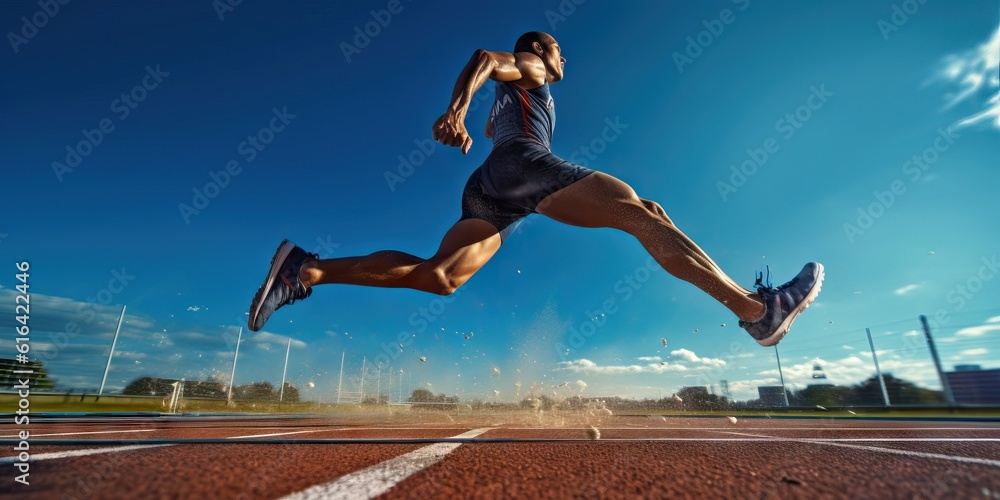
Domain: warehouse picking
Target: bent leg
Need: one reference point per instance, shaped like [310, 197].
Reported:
[600, 200]
[465, 248]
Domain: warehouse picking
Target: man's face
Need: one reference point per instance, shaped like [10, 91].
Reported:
[553, 59]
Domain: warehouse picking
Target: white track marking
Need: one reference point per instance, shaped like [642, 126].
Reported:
[79, 453]
[80, 433]
[919, 454]
[95, 451]
[380, 478]
[278, 434]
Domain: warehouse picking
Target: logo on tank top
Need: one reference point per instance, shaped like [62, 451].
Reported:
[501, 103]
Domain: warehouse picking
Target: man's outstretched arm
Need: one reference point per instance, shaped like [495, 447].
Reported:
[449, 129]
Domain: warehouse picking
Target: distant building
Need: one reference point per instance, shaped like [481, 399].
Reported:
[771, 395]
[972, 385]
[967, 368]
[819, 376]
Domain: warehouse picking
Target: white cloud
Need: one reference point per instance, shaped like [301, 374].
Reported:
[650, 358]
[906, 289]
[976, 331]
[587, 366]
[694, 358]
[912, 333]
[994, 319]
[976, 73]
[849, 348]
[267, 338]
[974, 352]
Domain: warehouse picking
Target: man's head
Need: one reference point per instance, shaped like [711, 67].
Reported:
[547, 49]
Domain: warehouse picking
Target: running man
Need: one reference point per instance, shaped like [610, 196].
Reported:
[521, 176]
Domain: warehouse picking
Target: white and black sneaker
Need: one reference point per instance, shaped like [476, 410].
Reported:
[783, 304]
[282, 285]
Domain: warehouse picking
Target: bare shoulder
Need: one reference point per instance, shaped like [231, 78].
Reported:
[532, 70]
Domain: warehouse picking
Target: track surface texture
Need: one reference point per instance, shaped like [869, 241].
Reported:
[439, 456]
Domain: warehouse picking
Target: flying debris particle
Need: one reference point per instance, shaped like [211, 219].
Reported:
[732, 420]
[695, 330]
[311, 384]
[821, 407]
[138, 362]
[831, 321]
[593, 433]
[663, 341]
[400, 347]
[677, 398]
[423, 359]
[496, 393]
[518, 271]
[857, 293]
[496, 371]
[932, 252]
[723, 325]
[564, 384]
[518, 370]
[663, 363]
[851, 412]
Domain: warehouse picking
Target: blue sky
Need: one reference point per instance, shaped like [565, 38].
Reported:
[309, 117]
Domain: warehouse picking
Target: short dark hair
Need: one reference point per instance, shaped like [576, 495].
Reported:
[524, 42]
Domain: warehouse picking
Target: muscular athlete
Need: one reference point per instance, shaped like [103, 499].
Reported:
[521, 176]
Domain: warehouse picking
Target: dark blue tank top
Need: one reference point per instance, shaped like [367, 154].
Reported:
[525, 114]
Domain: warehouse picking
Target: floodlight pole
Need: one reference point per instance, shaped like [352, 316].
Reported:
[949, 398]
[111, 354]
[341, 381]
[229, 398]
[281, 393]
[364, 361]
[781, 376]
[378, 385]
[878, 371]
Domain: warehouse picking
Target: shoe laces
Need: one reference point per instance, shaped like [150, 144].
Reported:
[760, 285]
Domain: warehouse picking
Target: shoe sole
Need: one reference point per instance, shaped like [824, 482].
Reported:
[806, 301]
[280, 255]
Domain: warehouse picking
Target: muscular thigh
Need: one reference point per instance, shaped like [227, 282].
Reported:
[598, 200]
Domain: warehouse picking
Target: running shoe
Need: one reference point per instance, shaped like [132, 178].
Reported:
[783, 304]
[282, 285]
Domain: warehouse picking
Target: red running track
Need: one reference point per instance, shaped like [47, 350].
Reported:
[117, 457]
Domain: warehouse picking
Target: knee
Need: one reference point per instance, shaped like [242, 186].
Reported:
[655, 209]
[437, 280]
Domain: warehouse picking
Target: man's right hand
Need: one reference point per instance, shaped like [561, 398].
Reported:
[449, 130]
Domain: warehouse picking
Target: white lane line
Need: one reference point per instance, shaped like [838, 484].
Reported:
[380, 478]
[94, 451]
[278, 434]
[919, 454]
[80, 433]
[79, 453]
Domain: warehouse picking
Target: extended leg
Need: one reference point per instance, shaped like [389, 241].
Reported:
[600, 200]
[465, 248]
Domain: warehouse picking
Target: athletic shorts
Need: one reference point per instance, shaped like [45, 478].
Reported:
[515, 177]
